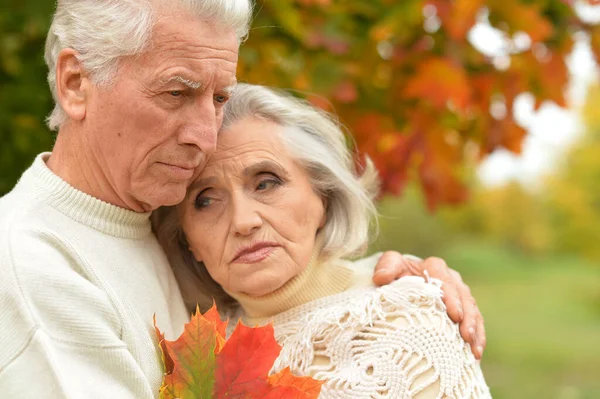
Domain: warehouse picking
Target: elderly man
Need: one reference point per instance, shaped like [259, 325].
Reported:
[139, 88]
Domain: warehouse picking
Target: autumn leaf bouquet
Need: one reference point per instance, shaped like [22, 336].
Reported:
[203, 364]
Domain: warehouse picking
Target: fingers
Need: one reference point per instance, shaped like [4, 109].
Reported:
[437, 268]
[460, 304]
[452, 297]
[472, 324]
[472, 328]
[476, 333]
[389, 267]
[459, 301]
[468, 326]
[481, 338]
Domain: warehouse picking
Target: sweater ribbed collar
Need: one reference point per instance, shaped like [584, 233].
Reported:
[81, 207]
[316, 281]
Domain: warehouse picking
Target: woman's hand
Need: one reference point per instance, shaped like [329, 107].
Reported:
[460, 304]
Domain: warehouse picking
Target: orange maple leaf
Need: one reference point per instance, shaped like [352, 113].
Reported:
[458, 17]
[306, 385]
[440, 81]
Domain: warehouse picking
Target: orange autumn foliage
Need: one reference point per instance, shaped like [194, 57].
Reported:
[407, 80]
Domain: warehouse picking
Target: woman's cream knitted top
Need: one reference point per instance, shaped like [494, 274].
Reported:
[395, 341]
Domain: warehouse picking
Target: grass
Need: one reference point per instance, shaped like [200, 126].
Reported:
[542, 321]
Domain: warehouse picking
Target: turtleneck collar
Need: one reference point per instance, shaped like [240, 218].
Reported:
[83, 208]
[316, 281]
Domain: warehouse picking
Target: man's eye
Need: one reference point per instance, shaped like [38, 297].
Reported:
[221, 98]
[176, 93]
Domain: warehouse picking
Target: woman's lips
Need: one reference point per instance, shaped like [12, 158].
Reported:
[255, 253]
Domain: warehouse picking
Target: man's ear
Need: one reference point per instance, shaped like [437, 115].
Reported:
[72, 84]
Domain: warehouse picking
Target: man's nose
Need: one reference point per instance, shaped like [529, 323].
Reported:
[246, 219]
[201, 127]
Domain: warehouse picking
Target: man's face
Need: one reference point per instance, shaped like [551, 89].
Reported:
[153, 129]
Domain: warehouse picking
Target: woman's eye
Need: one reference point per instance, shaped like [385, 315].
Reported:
[202, 202]
[267, 184]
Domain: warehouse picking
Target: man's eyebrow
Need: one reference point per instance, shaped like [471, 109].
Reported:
[265, 166]
[180, 79]
[230, 89]
[194, 85]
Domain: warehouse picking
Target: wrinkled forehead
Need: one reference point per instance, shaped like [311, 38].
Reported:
[179, 26]
[234, 15]
[245, 147]
[184, 37]
[189, 51]
[248, 141]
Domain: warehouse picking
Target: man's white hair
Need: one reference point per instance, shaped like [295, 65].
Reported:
[103, 31]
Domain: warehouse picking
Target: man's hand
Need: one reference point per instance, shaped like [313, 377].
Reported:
[460, 304]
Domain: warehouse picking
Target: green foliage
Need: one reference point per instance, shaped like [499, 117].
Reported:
[510, 215]
[542, 318]
[25, 99]
[573, 195]
[407, 225]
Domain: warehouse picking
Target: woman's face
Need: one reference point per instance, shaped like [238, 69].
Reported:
[252, 214]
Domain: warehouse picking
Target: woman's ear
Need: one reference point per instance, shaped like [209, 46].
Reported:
[324, 217]
[72, 84]
[195, 253]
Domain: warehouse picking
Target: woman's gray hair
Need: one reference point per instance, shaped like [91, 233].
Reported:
[102, 32]
[317, 142]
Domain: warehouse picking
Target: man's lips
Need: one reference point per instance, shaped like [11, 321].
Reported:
[184, 171]
[255, 253]
[181, 166]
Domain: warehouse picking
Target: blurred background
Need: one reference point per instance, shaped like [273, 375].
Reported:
[483, 119]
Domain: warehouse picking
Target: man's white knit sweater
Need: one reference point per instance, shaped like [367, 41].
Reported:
[80, 280]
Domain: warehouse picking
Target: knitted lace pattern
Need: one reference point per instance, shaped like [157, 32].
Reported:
[387, 342]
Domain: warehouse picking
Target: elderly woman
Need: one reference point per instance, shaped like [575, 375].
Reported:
[283, 206]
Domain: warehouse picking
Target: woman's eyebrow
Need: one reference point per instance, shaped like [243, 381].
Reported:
[265, 165]
[201, 182]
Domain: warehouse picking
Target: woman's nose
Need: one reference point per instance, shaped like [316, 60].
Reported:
[246, 219]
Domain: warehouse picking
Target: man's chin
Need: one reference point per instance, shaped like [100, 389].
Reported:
[165, 197]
